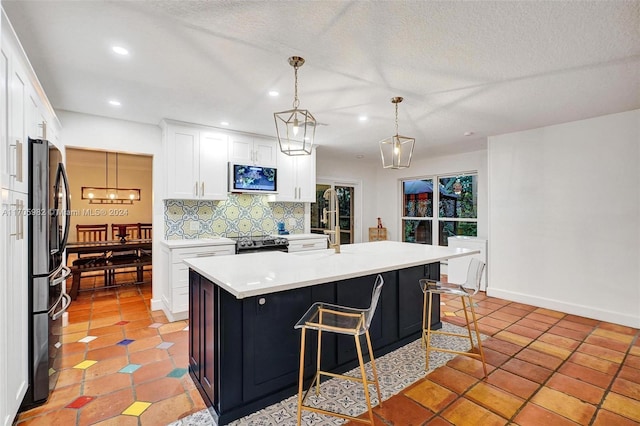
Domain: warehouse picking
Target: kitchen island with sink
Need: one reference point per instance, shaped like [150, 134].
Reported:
[243, 350]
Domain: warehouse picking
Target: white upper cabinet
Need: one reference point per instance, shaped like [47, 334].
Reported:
[252, 150]
[297, 178]
[13, 144]
[196, 162]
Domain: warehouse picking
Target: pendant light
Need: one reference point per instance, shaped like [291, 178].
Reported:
[296, 127]
[110, 194]
[396, 151]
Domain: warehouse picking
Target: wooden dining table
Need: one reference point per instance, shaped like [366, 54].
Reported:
[109, 262]
[93, 247]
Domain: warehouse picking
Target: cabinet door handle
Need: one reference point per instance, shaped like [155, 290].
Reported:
[21, 237]
[195, 189]
[43, 126]
[202, 193]
[308, 245]
[17, 148]
[262, 301]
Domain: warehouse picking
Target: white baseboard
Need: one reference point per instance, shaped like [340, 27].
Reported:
[569, 308]
[156, 305]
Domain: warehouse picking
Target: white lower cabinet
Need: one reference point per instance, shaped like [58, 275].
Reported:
[13, 305]
[175, 297]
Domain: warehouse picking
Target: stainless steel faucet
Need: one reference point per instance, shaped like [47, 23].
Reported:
[330, 217]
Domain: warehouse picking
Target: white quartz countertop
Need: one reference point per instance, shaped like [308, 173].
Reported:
[254, 274]
[202, 242]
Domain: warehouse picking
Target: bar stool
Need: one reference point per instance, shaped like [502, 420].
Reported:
[466, 291]
[325, 317]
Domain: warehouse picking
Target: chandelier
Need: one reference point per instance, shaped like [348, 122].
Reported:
[110, 194]
[295, 127]
[396, 150]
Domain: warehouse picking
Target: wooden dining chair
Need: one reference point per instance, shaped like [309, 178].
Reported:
[91, 233]
[130, 231]
[145, 231]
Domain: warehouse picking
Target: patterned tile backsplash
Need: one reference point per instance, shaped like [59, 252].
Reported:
[239, 215]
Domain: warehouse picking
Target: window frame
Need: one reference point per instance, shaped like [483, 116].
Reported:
[435, 218]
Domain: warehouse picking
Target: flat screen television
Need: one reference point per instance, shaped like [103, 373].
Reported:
[252, 179]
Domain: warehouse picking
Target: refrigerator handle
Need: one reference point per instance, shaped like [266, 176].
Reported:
[62, 176]
[65, 300]
[62, 278]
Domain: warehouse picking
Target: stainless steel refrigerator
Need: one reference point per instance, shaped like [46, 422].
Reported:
[48, 215]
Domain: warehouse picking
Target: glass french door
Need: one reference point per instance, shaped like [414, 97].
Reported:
[346, 197]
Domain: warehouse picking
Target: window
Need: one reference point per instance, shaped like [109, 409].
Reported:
[457, 213]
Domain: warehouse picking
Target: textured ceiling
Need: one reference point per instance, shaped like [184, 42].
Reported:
[482, 67]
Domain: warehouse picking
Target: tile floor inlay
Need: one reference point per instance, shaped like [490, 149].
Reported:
[131, 368]
[178, 372]
[125, 342]
[164, 345]
[136, 408]
[80, 402]
[85, 364]
[87, 339]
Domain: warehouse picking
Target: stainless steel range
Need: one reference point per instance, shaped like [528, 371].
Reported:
[258, 243]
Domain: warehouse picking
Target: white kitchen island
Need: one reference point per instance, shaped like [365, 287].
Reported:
[244, 351]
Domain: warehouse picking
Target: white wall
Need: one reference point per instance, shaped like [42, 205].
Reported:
[94, 132]
[564, 217]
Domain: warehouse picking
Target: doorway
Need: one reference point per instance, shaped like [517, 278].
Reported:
[111, 200]
[346, 201]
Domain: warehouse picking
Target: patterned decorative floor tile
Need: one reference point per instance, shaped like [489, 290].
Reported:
[88, 339]
[125, 342]
[396, 370]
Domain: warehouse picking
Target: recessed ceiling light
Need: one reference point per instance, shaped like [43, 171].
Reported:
[224, 123]
[273, 93]
[120, 50]
[114, 102]
[363, 118]
[468, 133]
[359, 156]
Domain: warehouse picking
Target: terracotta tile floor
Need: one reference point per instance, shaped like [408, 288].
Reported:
[545, 368]
[122, 364]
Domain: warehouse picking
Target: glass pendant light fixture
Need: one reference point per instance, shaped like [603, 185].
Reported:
[396, 151]
[296, 127]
